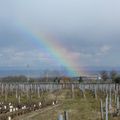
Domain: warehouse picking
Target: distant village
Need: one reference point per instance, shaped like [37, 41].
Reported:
[102, 77]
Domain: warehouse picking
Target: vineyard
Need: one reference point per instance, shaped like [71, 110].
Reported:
[63, 101]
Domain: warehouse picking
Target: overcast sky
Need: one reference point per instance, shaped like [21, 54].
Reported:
[87, 29]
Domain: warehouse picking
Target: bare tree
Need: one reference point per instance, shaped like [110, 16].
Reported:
[117, 79]
[113, 75]
[104, 75]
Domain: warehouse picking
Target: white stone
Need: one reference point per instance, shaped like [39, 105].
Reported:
[53, 103]
[14, 109]
[9, 118]
[11, 110]
[5, 107]
[11, 107]
[24, 107]
[9, 104]
[40, 104]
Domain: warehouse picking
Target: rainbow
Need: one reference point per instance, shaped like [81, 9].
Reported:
[55, 49]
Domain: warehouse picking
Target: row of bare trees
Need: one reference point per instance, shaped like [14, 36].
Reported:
[113, 75]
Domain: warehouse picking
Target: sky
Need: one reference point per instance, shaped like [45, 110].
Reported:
[88, 30]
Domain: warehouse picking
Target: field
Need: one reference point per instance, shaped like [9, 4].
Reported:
[78, 109]
[56, 101]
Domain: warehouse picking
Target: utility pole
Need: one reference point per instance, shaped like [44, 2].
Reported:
[28, 76]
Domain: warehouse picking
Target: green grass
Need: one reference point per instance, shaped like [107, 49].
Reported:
[78, 108]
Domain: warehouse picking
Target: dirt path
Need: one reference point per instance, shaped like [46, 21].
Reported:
[30, 115]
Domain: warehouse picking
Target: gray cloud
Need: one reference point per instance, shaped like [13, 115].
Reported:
[88, 30]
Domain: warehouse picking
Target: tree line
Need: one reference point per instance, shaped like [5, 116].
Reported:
[113, 75]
